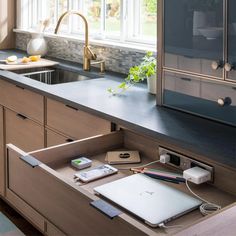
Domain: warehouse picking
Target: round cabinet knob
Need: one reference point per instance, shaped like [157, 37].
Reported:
[228, 67]
[215, 65]
[224, 101]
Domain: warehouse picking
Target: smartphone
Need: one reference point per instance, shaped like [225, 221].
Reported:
[96, 173]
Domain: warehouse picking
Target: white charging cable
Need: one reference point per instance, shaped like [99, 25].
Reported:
[162, 225]
[207, 207]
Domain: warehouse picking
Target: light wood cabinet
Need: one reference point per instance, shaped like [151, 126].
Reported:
[53, 138]
[7, 23]
[22, 100]
[73, 122]
[2, 162]
[49, 187]
[23, 132]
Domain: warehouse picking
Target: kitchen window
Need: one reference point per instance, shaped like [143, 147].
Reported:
[127, 21]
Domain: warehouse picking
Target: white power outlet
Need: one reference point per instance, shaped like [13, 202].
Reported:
[181, 161]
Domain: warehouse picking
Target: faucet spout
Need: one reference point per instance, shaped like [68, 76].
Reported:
[88, 53]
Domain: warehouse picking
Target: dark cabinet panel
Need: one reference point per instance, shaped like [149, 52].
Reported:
[231, 65]
[205, 98]
[193, 36]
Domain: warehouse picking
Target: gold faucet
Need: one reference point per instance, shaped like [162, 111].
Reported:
[88, 54]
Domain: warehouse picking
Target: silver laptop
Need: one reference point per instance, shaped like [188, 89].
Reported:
[149, 199]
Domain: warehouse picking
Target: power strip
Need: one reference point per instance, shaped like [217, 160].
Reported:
[181, 161]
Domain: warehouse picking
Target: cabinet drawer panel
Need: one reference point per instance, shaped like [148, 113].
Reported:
[22, 100]
[213, 91]
[54, 138]
[58, 199]
[73, 122]
[2, 165]
[200, 97]
[52, 230]
[28, 212]
[23, 132]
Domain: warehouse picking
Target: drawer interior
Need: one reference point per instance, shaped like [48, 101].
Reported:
[55, 171]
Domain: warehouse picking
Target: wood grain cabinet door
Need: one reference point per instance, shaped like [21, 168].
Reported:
[54, 138]
[22, 100]
[2, 165]
[74, 122]
[23, 132]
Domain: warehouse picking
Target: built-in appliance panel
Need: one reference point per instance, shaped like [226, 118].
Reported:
[199, 96]
[193, 36]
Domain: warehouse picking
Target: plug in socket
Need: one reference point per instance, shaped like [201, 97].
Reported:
[184, 162]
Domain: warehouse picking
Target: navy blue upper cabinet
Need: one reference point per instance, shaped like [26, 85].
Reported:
[194, 36]
[230, 65]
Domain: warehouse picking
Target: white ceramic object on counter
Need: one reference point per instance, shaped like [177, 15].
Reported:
[152, 84]
[37, 45]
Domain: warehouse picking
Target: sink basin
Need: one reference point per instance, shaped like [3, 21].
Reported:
[55, 75]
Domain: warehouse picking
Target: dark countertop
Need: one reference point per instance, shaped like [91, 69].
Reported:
[137, 110]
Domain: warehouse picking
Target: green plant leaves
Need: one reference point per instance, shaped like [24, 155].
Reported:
[139, 73]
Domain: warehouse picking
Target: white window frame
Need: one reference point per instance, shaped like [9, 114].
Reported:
[128, 14]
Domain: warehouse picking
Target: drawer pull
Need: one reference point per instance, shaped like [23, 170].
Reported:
[105, 208]
[215, 65]
[186, 79]
[18, 86]
[228, 67]
[224, 101]
[21, 116]
[31, 161]
[69, 140]
[74, 108]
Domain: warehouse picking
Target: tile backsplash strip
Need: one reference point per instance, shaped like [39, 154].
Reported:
[118, 60]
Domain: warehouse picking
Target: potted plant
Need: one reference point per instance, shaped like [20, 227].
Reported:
[145, 70]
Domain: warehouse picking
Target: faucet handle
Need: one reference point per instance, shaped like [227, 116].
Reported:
[89, 53]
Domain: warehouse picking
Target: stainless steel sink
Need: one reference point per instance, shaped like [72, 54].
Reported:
[55, 75]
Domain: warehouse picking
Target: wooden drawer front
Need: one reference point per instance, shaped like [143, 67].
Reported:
[2, 165]
[23, 132]
[212, 91]
[74, 123]
[28, 212]
[54, 138]
[52, 230]
[59, 200]
[22, 100]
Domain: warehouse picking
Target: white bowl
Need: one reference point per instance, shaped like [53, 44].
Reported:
[211, 32]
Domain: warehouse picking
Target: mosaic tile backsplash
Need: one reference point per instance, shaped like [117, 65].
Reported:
[118, 60]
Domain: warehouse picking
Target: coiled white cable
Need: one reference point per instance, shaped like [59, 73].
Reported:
[207, 207]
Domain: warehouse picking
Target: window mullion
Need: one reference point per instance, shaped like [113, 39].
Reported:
[103, 17]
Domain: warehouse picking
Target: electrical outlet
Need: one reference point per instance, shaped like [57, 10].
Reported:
[183, 162]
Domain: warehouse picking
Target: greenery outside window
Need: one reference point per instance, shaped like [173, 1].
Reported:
[119, 20]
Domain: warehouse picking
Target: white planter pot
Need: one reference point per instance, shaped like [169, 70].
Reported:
[37, 45]
[152, 84]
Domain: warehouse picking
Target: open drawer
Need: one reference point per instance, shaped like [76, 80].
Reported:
[44, 180]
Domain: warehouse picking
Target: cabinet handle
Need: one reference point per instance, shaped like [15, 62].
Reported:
[74, 108]
[186, 79]
[30, 160]
[228, 67]
[224, 101]
[69, 140]
[21, 116]
[215, 65]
